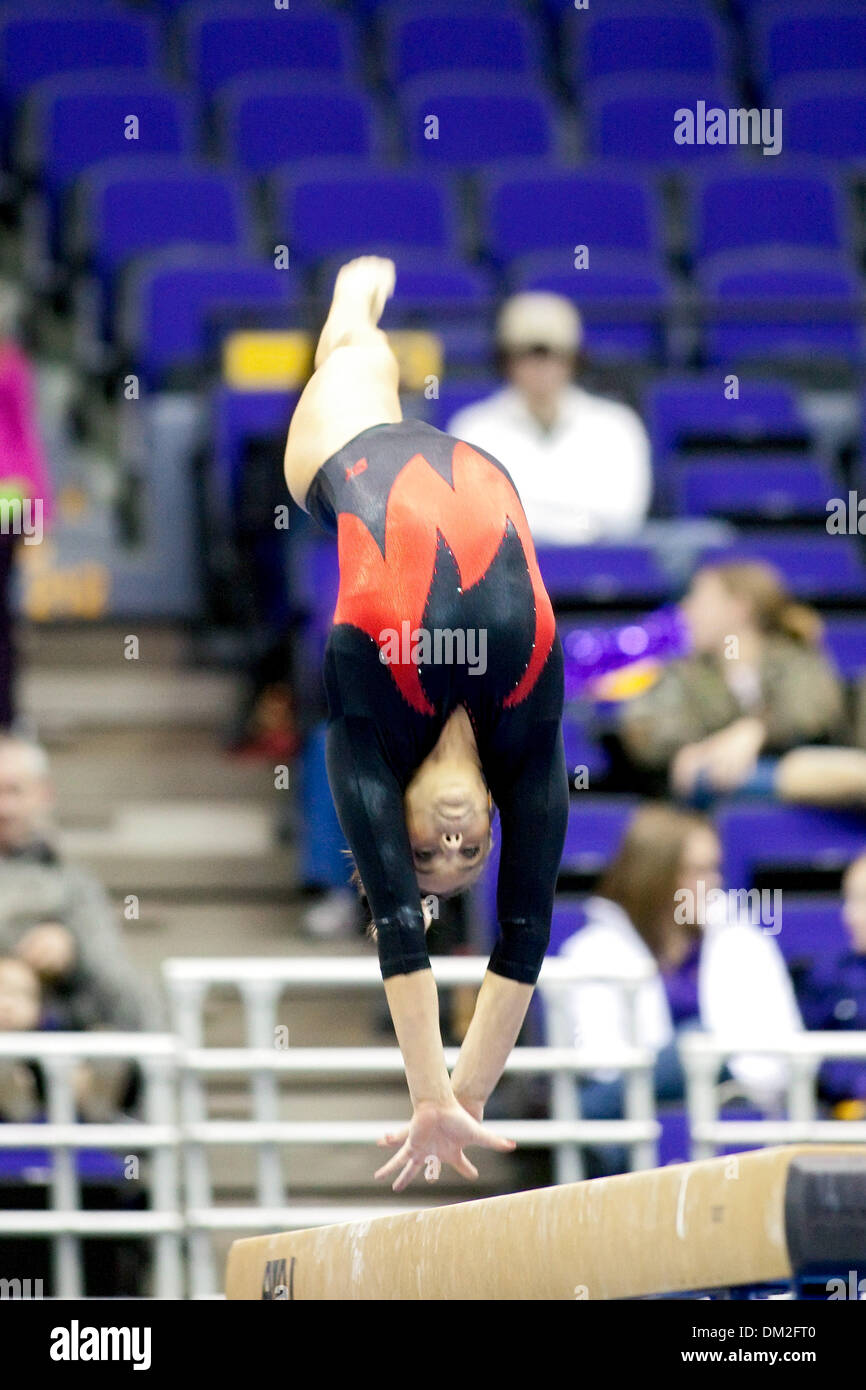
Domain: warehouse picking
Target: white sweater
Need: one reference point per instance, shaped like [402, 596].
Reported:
[589, 478]
[743, 991]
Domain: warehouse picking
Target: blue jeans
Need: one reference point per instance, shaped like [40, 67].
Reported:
[605, 1100]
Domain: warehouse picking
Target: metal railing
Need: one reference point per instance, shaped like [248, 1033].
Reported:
[703, 1055]
[58, 1055]
[260, 983]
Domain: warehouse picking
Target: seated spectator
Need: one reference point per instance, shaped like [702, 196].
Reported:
[709, 970]
[751, 710]
[832, 995]
[580, 463]
[56, 919]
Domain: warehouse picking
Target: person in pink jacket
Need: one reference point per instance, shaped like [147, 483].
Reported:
[25, 490]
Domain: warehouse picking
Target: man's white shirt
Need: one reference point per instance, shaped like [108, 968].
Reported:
[588, 478]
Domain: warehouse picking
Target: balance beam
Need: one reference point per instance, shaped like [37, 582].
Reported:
[753, 1218]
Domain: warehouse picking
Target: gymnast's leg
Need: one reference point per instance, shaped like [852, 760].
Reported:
[355, 383]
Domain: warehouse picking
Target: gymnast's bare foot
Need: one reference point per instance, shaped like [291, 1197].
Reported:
[360, 292]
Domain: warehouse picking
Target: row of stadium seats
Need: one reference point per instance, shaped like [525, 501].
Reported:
[260, 122]
[781, 284]
[220, 41]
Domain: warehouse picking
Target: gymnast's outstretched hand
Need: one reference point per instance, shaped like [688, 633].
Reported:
[440, 1132]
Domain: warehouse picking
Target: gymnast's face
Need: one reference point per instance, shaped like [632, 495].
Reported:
[854, 904]
[448, 819]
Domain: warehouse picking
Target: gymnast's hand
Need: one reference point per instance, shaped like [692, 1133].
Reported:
[439, 1131]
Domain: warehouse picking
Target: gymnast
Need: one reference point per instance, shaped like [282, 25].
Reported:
[432, 542]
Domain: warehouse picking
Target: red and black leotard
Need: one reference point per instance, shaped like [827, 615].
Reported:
[431, 533]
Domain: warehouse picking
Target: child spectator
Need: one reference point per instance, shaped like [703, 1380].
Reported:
[833, 997]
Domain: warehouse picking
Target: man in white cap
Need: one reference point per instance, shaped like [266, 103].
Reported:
[580, 463]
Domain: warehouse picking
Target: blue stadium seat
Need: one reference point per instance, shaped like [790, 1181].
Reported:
[451, 39]
[543, 212]
[454, 396]
[766, 836]
[814, 565]
[781, 308]
[632, 118]
[812, 926]
[582, 750]
[163, 202]
[596, 825]
[601, 573]
[741, 210]
[73, 122]
[478, 122]
[825, 117]
[38, 43]
[238, 417]
[222, 42]
[808, 37]
[691, 415]
[454, 301]
[622, 301]
[653, 39]
[845, 640]
[267, 122]
[778, 490]
[569, 917]
[174, 302]
[366, 211]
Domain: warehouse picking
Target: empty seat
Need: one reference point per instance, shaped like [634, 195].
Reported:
[776, 490]
[622, 301]
[812, 926]
[797, 38]
[323, 216]
[634, 119]
[813, 565]
[224, 41]
[657, 39]
[845, 640]
[688, 416]
[450, 39]
[175, 301]
[242, 416]
[73, 122]
[601, 573]
[476, 123]
[41, 44]
[266, 123]
[825, 117]
[766, 209]
[765, 836]
[784, 308]
[162, 202]
[561, 211]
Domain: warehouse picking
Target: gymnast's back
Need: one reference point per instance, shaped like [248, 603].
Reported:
[440, 604]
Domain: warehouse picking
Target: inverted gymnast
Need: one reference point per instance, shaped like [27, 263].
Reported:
[432, 542]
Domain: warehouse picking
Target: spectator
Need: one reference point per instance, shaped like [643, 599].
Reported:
[721, 973]
[748, 710]
[833, 996]
[57, 920]
[23, 476]
[580, 463]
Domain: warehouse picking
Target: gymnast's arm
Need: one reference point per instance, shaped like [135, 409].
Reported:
[369, 803]
[533, 809]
